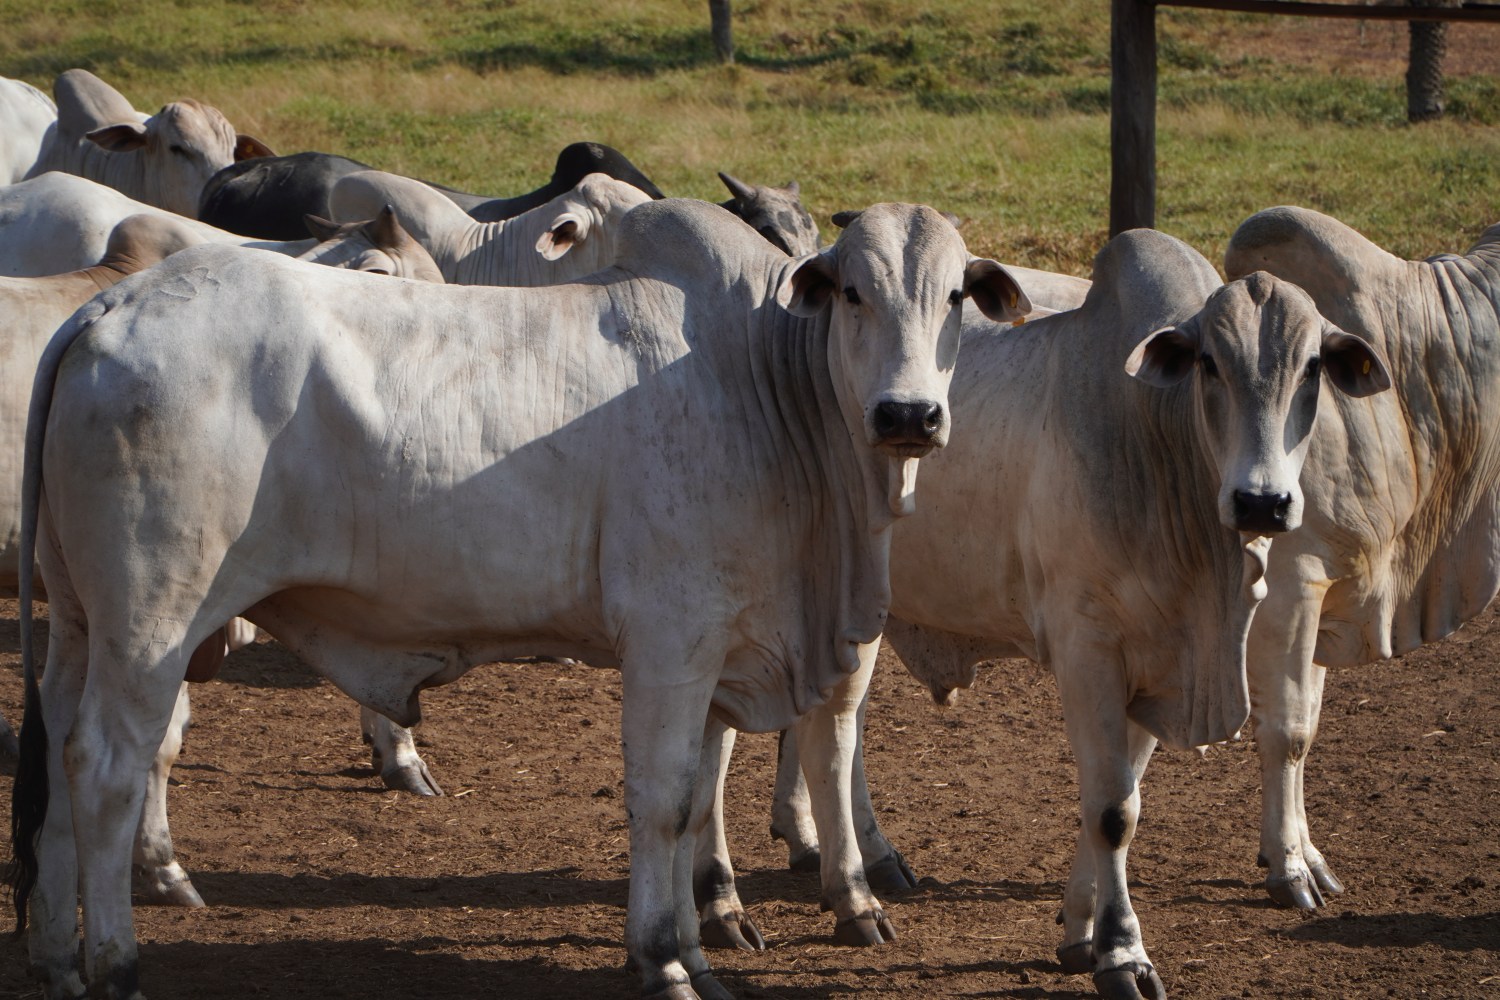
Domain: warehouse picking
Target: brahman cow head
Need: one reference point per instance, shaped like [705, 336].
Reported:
[895, 282]
[775, 213]
[179, 149]
[377, 246]
[1260, 353]
[593, 208]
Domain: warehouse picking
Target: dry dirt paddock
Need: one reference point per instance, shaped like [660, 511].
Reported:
[322, 884]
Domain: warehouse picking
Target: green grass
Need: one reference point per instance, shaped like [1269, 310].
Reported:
[997, 111]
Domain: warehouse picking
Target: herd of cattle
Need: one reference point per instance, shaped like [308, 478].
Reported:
[684, 442]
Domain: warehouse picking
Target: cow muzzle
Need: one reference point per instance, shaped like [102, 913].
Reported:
[909, 430]
[1262, 513]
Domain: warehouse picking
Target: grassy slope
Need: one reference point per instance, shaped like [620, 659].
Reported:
[995, 110]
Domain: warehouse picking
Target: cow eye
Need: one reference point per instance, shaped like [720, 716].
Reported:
[851, 295]
[956, 296]
[1210, 369]
[1314, 365]
[178, 150]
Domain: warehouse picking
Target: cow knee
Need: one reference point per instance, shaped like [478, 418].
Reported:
[1115, 825]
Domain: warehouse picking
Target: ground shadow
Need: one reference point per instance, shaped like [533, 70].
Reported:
[1478, 932]
[557, 887]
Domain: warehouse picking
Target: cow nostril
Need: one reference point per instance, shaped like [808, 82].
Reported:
[933, 419]
[1261, 512]
[885, 420]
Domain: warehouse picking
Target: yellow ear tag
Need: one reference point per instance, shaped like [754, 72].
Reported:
[1367, 367]
[1018, 321]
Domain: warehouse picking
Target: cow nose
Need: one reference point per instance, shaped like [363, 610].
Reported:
[1262, 513]
[908, 423]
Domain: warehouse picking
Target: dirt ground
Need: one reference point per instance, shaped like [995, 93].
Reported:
[320, 883]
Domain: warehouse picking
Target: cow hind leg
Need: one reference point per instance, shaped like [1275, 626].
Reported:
[128, 701]
[393, 752]
[161, 880]
[791, 812]
[53, 929]
[722, 919]
[886, 869]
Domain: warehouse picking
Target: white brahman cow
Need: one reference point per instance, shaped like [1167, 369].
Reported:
[504, 252]
[1119, 543]
[735, 433]
[163, 159]
[1401, 543]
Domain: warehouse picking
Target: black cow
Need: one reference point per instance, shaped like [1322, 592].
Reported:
[267, 197]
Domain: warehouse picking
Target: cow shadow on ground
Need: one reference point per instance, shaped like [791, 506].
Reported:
[1477, 932]
[557, 887]
[429, 967]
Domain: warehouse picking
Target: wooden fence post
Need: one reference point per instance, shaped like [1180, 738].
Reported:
[1132, 118]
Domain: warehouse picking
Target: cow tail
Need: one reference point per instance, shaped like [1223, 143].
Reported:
[29, 793]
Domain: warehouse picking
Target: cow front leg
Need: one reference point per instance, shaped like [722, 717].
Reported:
[393, 752]
[722, 919]
[791, 812]
[1286, 696]
[828, 737]
[886, 869]
[1094, 709]
[1076, 953]
[662, 726]
[162, 881]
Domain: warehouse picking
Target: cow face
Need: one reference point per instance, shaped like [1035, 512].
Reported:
[895, 283]
[593, 209]
[378, 246]
[1260, 354]
[179, 149]
[775, 213]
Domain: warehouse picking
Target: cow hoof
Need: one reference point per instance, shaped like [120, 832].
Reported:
[1076, 958]
[1139, 983]
[1297, 891]
[1326, 879]
[162, 888]
[809, 861]
[709, 988]
[890, 875]
[413, 778]
[677, 991]
[732, 930]
[864, 931]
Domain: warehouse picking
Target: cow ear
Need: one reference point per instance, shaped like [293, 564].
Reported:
[247, 147]
[1165, 357]
[842, 219]
[122, 138]
[953, 220]
[320, 228]
[1354, 366]
[810, 283]
[567, 231]
[995, 291]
